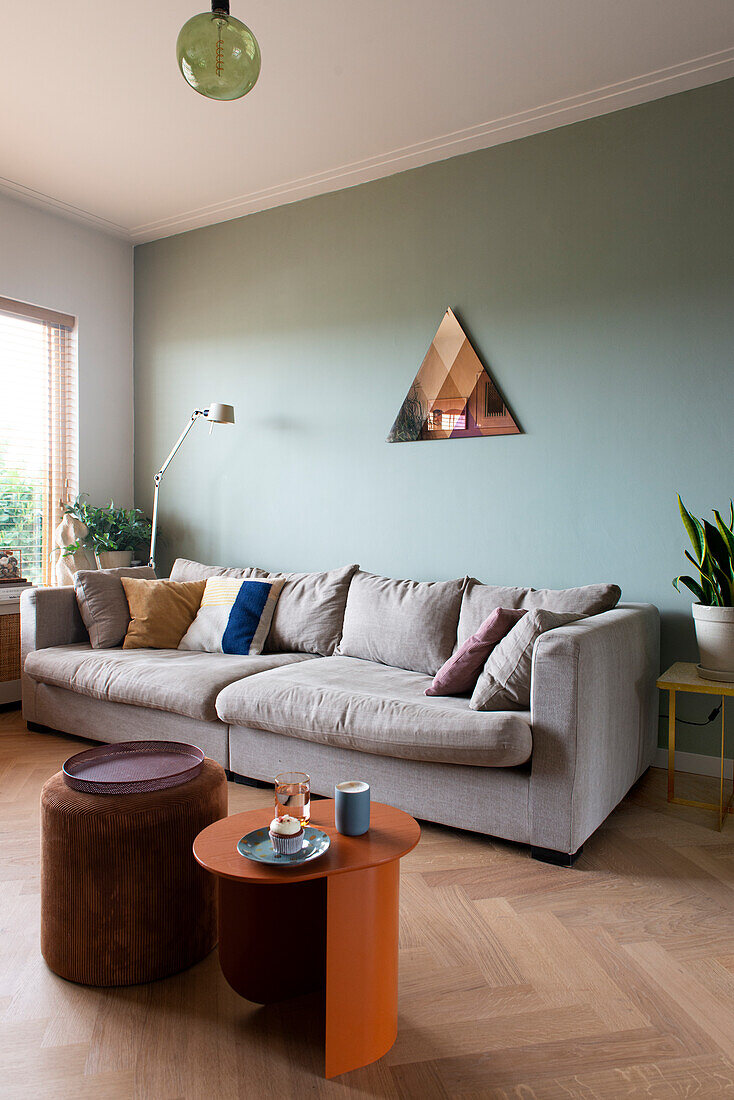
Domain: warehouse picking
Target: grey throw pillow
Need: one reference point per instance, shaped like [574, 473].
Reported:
[504, 683]
[407, 624]
[184, 569]
[309, 614]
[102, 603]
[480, 600]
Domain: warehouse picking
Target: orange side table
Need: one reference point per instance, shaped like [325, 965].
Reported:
[331, 923]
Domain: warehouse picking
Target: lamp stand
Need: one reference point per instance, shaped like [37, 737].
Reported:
[159, 477]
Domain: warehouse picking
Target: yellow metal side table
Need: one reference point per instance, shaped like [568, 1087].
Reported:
[684, 677]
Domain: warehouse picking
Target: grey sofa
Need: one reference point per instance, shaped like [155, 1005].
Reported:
[546, 777]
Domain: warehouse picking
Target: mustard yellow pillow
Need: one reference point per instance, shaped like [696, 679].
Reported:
[160, 611]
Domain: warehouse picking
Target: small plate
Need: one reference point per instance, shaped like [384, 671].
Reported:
[258, 847]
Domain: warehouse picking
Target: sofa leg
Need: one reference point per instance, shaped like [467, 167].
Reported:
[34, 727]
[558, 859]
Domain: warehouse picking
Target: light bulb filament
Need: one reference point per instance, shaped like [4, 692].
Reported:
[220, 51]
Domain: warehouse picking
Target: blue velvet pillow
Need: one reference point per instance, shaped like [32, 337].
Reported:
[250, 618]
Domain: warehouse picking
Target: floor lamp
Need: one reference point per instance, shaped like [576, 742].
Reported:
[215, 414]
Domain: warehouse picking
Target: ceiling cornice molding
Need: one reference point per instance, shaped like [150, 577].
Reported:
[656, 84]
[57, 206]
[689, 74]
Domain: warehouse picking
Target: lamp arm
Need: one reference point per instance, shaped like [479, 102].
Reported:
[159, 477]
[192, 420]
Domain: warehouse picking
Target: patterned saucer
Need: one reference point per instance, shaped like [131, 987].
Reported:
[258, 846]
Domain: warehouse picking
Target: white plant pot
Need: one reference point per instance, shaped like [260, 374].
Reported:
[715, 637]
[114, 559]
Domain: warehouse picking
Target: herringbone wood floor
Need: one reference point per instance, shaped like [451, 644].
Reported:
[615, 979]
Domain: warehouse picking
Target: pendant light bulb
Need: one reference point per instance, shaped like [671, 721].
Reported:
[217, 54]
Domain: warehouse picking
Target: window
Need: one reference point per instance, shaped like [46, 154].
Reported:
[38, 431]
[448, 420]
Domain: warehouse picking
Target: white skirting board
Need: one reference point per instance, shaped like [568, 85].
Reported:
[694, 762]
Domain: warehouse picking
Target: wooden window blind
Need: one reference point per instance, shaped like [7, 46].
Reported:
[38, 430]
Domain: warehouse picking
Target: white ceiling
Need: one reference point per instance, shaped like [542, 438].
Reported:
[98, 122]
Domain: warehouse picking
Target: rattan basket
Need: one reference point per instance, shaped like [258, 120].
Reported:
[9, 648]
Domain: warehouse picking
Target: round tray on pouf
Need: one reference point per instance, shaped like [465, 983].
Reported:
[133, 767]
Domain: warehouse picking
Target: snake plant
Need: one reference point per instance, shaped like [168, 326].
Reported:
[714, 558]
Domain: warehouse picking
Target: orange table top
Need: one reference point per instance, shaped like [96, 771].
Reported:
[392, 834]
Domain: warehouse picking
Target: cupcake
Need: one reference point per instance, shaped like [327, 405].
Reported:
[286, 835]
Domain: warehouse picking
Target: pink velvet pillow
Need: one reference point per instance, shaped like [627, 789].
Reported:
[461, 671]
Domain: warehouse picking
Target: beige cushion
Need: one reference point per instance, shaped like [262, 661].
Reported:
[309, 614]
[102, 603]
[480, 600]
[163, 679]
[186, 570]
[504, 683]
[408, 624]
[349, 703]
[160, 611]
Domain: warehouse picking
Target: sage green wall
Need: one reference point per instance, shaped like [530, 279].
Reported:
[592, 267]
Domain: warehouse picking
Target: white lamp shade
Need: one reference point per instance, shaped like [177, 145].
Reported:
[220, 414]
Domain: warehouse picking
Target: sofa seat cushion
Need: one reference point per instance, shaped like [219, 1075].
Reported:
[164, 679]
[351, 703]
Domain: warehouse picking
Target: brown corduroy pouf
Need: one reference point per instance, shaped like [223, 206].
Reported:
[122, 898]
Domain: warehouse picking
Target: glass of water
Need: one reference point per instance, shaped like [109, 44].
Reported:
[293, 795]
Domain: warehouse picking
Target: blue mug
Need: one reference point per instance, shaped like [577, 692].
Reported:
[352, 810]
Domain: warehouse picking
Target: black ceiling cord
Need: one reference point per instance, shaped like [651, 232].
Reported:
[684, 721]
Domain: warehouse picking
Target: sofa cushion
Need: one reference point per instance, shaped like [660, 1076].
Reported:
[505, 680]
[102, 602]
[461, 671]
[250, 618]
[160, 611]
[407, 624]
[350, 703]
[206, 631]
[309, 614]
[186, 570]
[234, 616]
[164, 679]
[480, 600]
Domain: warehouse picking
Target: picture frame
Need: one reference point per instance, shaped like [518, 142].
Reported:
[10, 565]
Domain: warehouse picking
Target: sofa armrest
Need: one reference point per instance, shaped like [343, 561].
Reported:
[49, 617]
[594, 717]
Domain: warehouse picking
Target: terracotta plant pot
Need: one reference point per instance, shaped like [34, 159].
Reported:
[715, 637]
[114, 559]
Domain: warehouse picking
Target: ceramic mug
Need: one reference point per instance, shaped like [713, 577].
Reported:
[352, 810]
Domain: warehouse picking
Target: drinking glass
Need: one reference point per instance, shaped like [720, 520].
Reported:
[293, 795]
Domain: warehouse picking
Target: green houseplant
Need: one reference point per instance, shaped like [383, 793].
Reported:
[20, 518]
[410, 420]
[112, 533]
[713, 613]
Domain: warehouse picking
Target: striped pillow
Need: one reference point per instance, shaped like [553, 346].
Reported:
[234, 616]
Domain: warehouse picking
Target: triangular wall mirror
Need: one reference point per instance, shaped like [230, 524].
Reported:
[453, 395]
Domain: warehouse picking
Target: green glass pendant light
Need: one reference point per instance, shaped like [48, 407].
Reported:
[217, 54]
